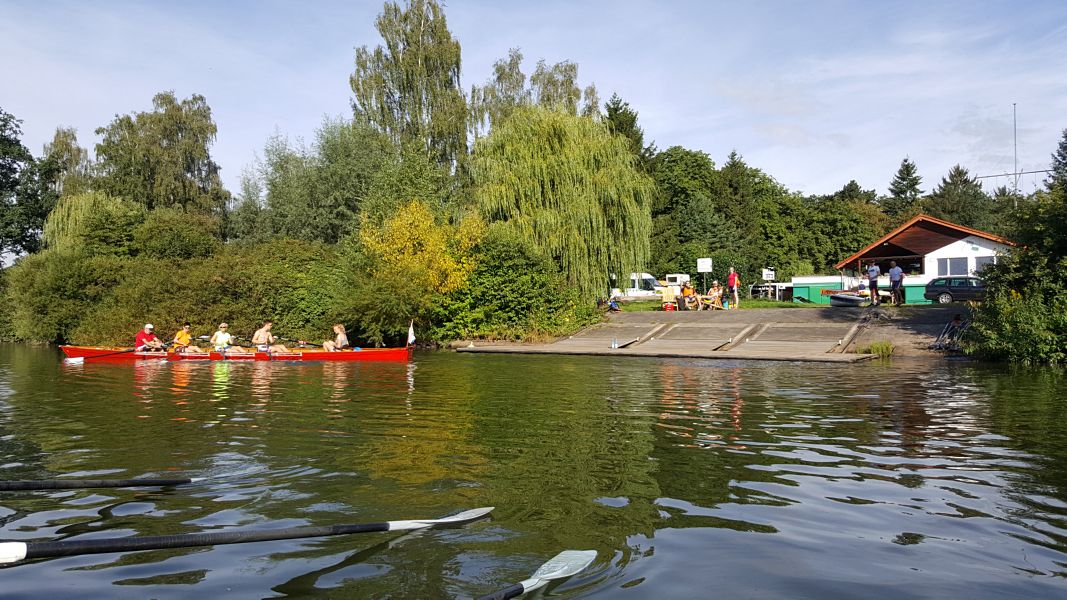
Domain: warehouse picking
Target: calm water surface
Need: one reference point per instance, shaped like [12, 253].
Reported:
[692, 479]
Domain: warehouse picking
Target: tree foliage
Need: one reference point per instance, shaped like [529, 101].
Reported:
[555, 87]
[162, 157]
[959, 198]
[568, 185]
[409, 88]
[315, 193]
[514, 293]
[94, 222]
[904, 192]
[23, 200]
[1058, 177]
[622, 120]
[398, 270]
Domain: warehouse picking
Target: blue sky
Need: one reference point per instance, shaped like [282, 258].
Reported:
[814, 93]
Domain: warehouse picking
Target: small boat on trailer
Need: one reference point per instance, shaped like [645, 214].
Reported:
[103, 353]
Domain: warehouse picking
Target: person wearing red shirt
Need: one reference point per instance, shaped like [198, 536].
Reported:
[147, 340]
[733, 281]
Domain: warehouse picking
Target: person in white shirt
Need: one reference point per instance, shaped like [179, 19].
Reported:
[873, 273]
[896, 282]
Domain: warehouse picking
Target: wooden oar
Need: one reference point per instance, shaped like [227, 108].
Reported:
[11, 552]
[561, 566]
[76, 484]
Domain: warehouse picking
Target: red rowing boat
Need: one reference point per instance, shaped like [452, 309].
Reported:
[301, 354]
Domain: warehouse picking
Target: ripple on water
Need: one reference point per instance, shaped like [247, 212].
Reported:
[689, 477]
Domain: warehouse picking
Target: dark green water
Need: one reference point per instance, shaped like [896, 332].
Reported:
[692, 479]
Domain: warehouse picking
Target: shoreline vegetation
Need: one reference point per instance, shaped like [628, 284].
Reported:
[494, 212]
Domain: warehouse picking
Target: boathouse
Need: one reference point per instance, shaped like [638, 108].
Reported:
[925, 247]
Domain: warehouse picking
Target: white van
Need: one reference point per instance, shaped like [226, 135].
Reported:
[641, 286]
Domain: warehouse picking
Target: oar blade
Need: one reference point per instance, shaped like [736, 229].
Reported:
[565, 564]
[460, 517]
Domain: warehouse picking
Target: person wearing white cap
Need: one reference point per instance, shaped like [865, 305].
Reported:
[146, 339]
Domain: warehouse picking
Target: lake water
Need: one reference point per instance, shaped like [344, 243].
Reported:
[691, 479]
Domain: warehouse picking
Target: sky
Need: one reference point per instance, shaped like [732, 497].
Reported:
[814, 93]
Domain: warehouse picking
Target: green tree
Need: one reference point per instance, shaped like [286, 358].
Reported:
[500, 96]
[69, 162]
[686, 222]
[904, 192]
[622, 120]
[1024, 316]
[162, 157]
[553, 87]
[172, 232]
[94, 222]
[20, 218]
[842, 223]
[959, 198]
[568, 185]
[315, 194]
[1058, 177]
[409, 88]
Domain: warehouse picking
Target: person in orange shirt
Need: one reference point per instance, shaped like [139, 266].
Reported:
[183, 340]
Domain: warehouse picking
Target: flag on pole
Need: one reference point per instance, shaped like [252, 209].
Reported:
[411, 333]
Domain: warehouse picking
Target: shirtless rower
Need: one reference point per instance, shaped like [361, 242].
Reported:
[264, 340]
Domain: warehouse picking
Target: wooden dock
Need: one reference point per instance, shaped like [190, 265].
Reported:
[802, 334]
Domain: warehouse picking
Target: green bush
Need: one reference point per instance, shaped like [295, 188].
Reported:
[514, 293]
[174, 233]
[52, 291]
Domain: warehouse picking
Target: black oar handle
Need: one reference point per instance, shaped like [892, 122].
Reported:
[512, 592]
[78, 547]
[74, 484]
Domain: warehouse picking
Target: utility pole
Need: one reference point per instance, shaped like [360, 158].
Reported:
[1015, 135]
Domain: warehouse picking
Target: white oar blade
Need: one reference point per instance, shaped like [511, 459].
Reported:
[467, 515]
[565, 564]
[461, 517]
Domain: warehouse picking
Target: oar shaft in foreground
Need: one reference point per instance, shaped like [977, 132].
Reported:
[512, 592]
[16, 551]
[74, 484]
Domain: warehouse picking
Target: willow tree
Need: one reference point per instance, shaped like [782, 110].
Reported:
[95, 222]
[409, 89]
[569, 186]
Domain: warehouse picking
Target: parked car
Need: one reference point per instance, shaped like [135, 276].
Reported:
[955, 289]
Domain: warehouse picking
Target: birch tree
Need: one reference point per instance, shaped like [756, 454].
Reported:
[409, 88]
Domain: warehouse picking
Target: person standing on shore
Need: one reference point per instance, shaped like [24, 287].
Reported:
[733, 281]
[896, 282]
[873, 273]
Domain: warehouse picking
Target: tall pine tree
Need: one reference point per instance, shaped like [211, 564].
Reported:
[1058, 177]
[904, 192]
[959, 198]
[622, 120]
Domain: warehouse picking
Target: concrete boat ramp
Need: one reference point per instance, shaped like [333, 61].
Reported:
[800, 334]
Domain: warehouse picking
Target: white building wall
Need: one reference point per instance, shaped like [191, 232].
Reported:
[970, 247]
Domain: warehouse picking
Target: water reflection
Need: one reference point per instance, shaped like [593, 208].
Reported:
[773, 480]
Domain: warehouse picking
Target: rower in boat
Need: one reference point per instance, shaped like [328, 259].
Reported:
[183, 340]
[264, 340]
[146, 340]
[339, 342]
[222, 340]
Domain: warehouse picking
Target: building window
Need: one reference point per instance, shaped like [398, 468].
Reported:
[981, 262]
[951, 266]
